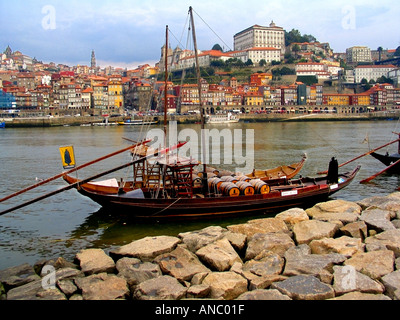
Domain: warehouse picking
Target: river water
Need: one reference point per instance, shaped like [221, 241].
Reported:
[68, 222]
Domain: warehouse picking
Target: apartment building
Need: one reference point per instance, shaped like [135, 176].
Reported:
[260, 37]
[320, 70]
[358, 54]
[371, 72]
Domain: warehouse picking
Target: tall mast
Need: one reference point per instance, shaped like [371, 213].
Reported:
[203, 144]
[166, 86]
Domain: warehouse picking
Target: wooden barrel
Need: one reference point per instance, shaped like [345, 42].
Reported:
[196, 180]
[229, 189]
[260, 187]
[245, 188]
[244, 178]
[223, 173]
[214, 184]
[209, 175]
[229, 179]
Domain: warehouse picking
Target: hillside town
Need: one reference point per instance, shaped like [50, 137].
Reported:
[281, 77]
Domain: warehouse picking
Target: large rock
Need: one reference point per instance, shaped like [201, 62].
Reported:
[134, 271]
[219, 255]
[304, 288]
[347, 279]
[34, 291]
[275, 242]
[198, 239]
[102, 286]
[356, 229]
[306, 231]
[261, 294]
[375, 264]
[161, 288]
[95, 261]
[266, 263]
[148, 248]
[359, 296]
[386, 240]
[344, 245]
[18, 276]
[300, 261]
[227, 285]
[335, 210]
[377, 219]
[293, 216]
[181, 264]
[267, 225]
[392, 284]
[390, 203]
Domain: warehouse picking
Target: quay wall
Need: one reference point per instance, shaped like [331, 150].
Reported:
[187, 119]
[335, 250]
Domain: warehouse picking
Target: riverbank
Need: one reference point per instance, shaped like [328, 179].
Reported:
[336, 250]
[21, 122]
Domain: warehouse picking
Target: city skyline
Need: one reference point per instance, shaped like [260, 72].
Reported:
[130, 33]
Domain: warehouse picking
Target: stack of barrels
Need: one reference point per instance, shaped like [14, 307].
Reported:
[234, 186]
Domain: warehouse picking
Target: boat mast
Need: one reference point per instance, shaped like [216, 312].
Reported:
[203, 145]
[166, 86]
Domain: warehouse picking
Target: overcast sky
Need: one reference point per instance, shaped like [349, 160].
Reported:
[126, 33]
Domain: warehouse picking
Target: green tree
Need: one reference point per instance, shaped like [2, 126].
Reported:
[262, 63]
[217, 47]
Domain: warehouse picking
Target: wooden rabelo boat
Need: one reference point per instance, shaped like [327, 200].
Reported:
[169, 186]
[392, 161]
[165, 185]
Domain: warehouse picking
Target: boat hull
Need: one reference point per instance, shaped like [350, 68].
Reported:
[388, 160]
[280, 198]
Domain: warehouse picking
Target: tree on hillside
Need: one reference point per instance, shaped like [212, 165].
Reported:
[295, 36]
[397, 53]
[217, 47]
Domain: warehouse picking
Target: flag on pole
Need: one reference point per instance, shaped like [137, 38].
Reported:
[68, 157]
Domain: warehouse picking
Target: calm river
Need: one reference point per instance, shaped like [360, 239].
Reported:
[63, 224]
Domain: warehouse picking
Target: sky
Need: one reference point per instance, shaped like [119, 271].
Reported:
[128, 33]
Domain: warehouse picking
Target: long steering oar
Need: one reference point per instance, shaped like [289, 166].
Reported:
[363, 155]
[74, 185]
[379, 173]
[73, 170]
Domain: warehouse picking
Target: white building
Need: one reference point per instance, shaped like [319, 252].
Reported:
[395, 76]
[319, 70]
[371, 72]
[260, 37]
[258, 54]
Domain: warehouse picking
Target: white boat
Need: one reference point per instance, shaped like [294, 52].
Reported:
[136, 122]
[222, 118]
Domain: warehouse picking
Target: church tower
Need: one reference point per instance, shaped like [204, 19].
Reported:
[93, 60]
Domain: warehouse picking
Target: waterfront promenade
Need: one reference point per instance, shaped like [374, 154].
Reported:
[182, 119]
[337, 250]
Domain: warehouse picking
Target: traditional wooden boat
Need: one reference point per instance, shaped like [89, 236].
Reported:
[168, 190]
[390, 160]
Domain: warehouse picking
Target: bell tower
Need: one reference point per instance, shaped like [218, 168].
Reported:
[93, 60]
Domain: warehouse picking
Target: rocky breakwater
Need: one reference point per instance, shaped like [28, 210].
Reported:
[335, 250]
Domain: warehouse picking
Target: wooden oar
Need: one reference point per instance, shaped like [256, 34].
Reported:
[379, 173]
[363, 155]
[91, 178]
[72, 170]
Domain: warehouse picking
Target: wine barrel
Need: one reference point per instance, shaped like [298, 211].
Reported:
[229, 179]
[260, 187]
[245, 188]
[229, 189]
[244, 178]
[223, 173]
[196, 180]
[214, 184]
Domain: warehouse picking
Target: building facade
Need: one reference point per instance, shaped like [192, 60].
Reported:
[372, 72]
[358, 54]
[260, 37]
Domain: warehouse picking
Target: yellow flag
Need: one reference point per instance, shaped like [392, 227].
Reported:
[68, 157]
